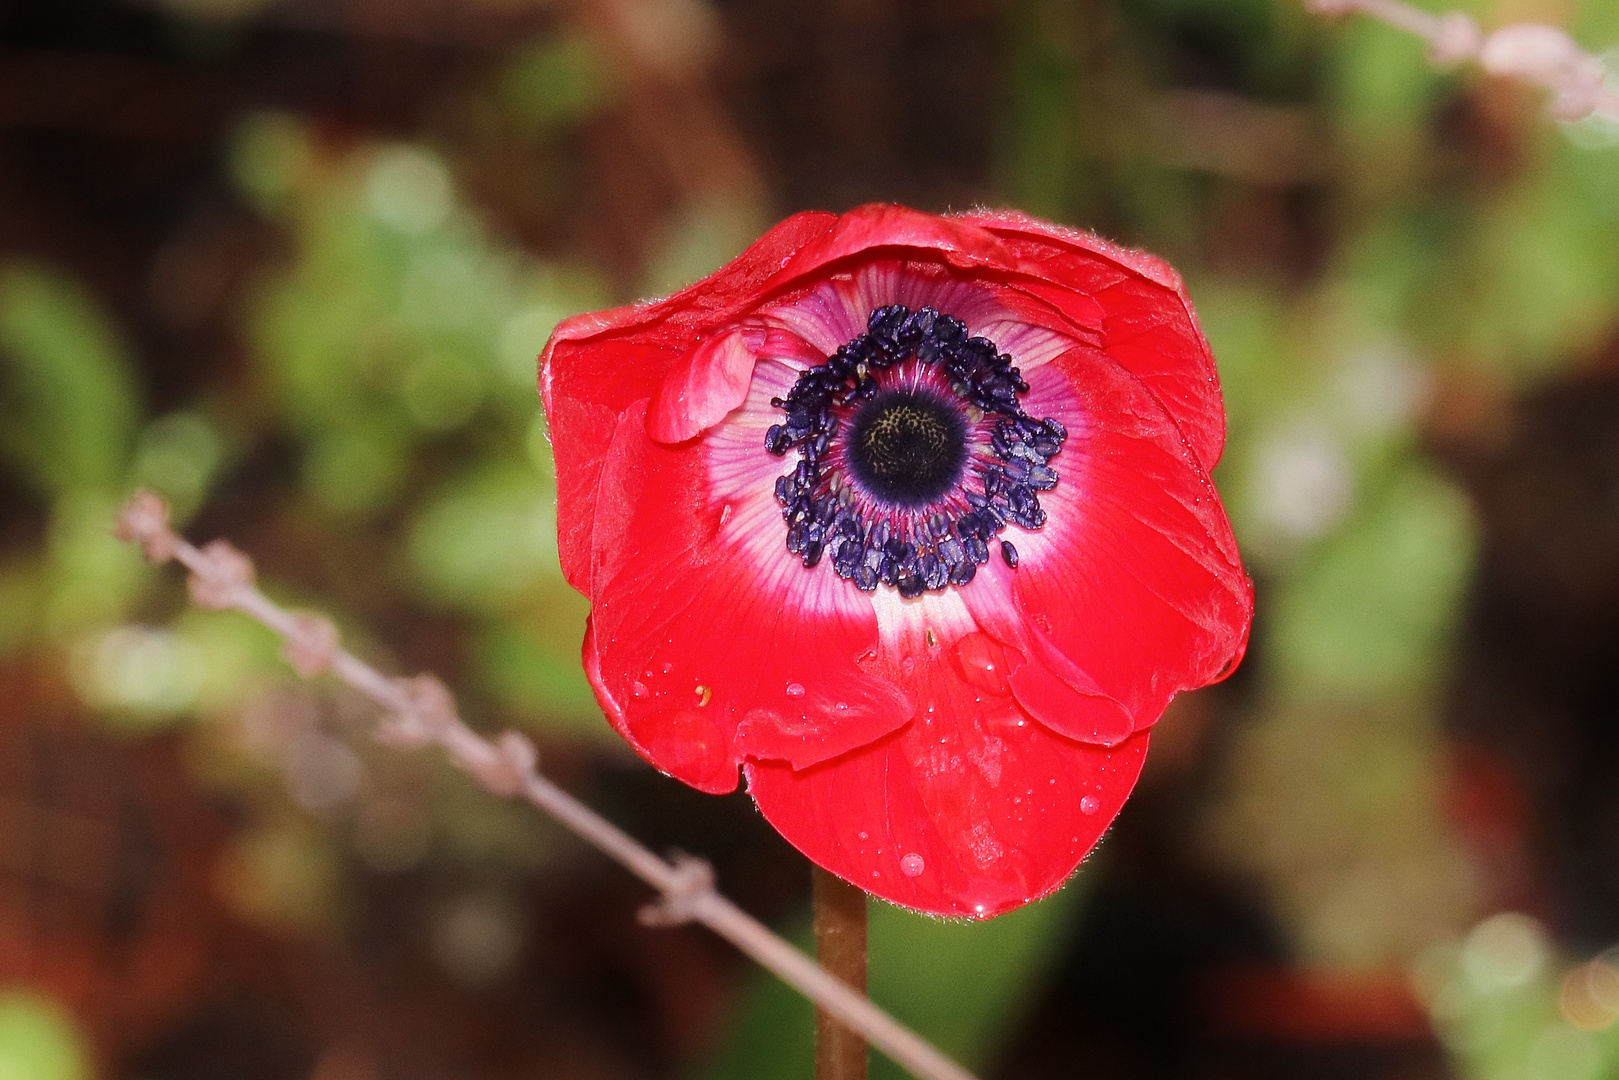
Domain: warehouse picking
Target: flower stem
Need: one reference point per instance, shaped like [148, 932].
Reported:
[840, 947]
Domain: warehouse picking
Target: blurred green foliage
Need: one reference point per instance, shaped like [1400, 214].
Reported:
[395, 345]
[37, 1042]
[67, 399]
[401, 343]
[558, 80]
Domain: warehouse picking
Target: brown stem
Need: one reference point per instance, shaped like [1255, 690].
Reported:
[840, 946]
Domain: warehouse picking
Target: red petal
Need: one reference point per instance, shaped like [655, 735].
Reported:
[596, 365]
[971, 810]
[1148, 325]
[957, 241]
[704, 385]
[1135, 578]
[1049, 685]
[700, 654]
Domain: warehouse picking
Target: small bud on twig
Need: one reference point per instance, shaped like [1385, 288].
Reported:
[1548, 57]
[428, 710]
[1456, 38]
[312, 644]
[145, 521]
[694, 881]
[221, 576]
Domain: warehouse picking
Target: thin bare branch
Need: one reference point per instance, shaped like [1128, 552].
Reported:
[1544, 56]
[420, 711]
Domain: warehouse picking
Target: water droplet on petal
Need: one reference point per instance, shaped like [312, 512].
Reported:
[911, 865]
[1089, 805]
[667, 667]
[638, 689]
[795, 689]
[983, 663]
[864, 836]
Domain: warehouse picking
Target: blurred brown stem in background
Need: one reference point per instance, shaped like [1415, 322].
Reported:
[1545, 56]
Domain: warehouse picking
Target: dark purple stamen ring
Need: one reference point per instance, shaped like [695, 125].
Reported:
[900, 485]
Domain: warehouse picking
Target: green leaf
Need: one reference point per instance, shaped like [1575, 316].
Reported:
[67, 398]
[38, 1041]
[1370, 615]
[487, 539]
[557, 81]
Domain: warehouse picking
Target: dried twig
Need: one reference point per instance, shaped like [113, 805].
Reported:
[420, 711]
[1545, 56]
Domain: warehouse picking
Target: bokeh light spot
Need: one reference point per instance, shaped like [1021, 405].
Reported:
[150, 671]
[478, 939]
[1505, 951]
[1589, 998]
[38, 1041]
[409, 189]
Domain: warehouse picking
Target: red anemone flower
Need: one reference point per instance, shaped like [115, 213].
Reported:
[910, 518]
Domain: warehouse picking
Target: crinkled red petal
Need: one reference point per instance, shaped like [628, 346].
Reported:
[594, 366]
[1148, 324]
[1135, 577]
[702, 658]
[708, 382]
[971, 810]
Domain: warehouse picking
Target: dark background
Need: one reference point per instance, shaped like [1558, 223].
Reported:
[289, 263]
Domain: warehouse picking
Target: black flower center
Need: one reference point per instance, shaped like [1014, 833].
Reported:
[907, 446]
[914, 453]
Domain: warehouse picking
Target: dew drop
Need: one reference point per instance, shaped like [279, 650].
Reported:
[864, 836]
[842, 706]
[1089, 805]
[795, 689]
[638, 689]
[982, 663]
[667, 667]
[911, 865]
